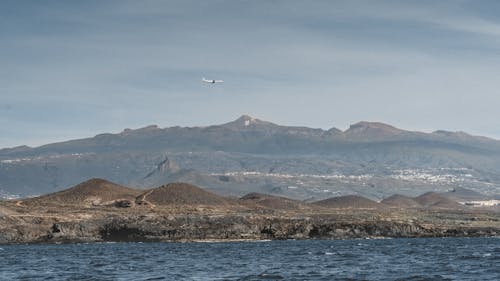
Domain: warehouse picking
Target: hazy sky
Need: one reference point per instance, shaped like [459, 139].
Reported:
[72, 69]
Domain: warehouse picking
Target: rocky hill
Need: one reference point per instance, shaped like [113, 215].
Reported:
[91, 192]
[435, 200]
[180, 194]
[266, 201]
[401, 201]
[349, 202]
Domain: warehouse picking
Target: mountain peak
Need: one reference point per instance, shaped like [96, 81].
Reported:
[372, 129]
[20, 148]
[373, 125]
[247, 121]
[150, 128]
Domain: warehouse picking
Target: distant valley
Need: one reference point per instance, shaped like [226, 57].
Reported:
[369, 159]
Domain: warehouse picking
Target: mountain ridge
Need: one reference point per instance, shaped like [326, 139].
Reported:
[251, 155]
[366, 129]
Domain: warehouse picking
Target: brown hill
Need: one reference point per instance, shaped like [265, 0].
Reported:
[180, 194]
[349, 202]
[94, 191]
[462, 194]
[267, 201]
[401, 201]
[436, 200]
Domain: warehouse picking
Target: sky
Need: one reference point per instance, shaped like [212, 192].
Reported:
[74, 69]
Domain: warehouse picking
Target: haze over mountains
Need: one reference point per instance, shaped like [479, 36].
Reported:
[371, 159]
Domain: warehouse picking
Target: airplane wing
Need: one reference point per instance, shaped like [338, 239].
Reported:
[211, 81]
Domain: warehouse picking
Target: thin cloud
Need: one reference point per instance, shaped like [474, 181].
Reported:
[136, 63]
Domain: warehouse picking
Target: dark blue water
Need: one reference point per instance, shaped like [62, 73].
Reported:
[392, 259]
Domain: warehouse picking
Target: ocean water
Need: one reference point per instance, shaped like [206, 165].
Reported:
[387, 259]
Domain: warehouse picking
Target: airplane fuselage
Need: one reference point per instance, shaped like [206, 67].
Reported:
[211, 81]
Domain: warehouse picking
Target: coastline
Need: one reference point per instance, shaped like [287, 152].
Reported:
[100, 211]
[161, 225]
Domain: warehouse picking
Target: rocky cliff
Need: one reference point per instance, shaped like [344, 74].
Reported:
[223, 228]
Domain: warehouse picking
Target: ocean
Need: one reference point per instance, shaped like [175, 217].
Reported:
[379, 259]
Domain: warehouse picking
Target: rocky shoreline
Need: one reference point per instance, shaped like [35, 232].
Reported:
[183, 228]
[100, 211]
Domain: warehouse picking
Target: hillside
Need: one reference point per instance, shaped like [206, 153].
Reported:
[435, 200]
[266, 201]
[349, 202]
[5, 212]
[180, 194]
[94, 191]
[401, 201]
[463, 194]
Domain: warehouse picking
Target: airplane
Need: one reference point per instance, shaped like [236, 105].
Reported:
[211, 81]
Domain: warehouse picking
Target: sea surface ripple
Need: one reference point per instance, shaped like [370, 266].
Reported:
[385, 259]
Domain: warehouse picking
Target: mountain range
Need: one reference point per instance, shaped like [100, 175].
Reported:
[250, 155]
